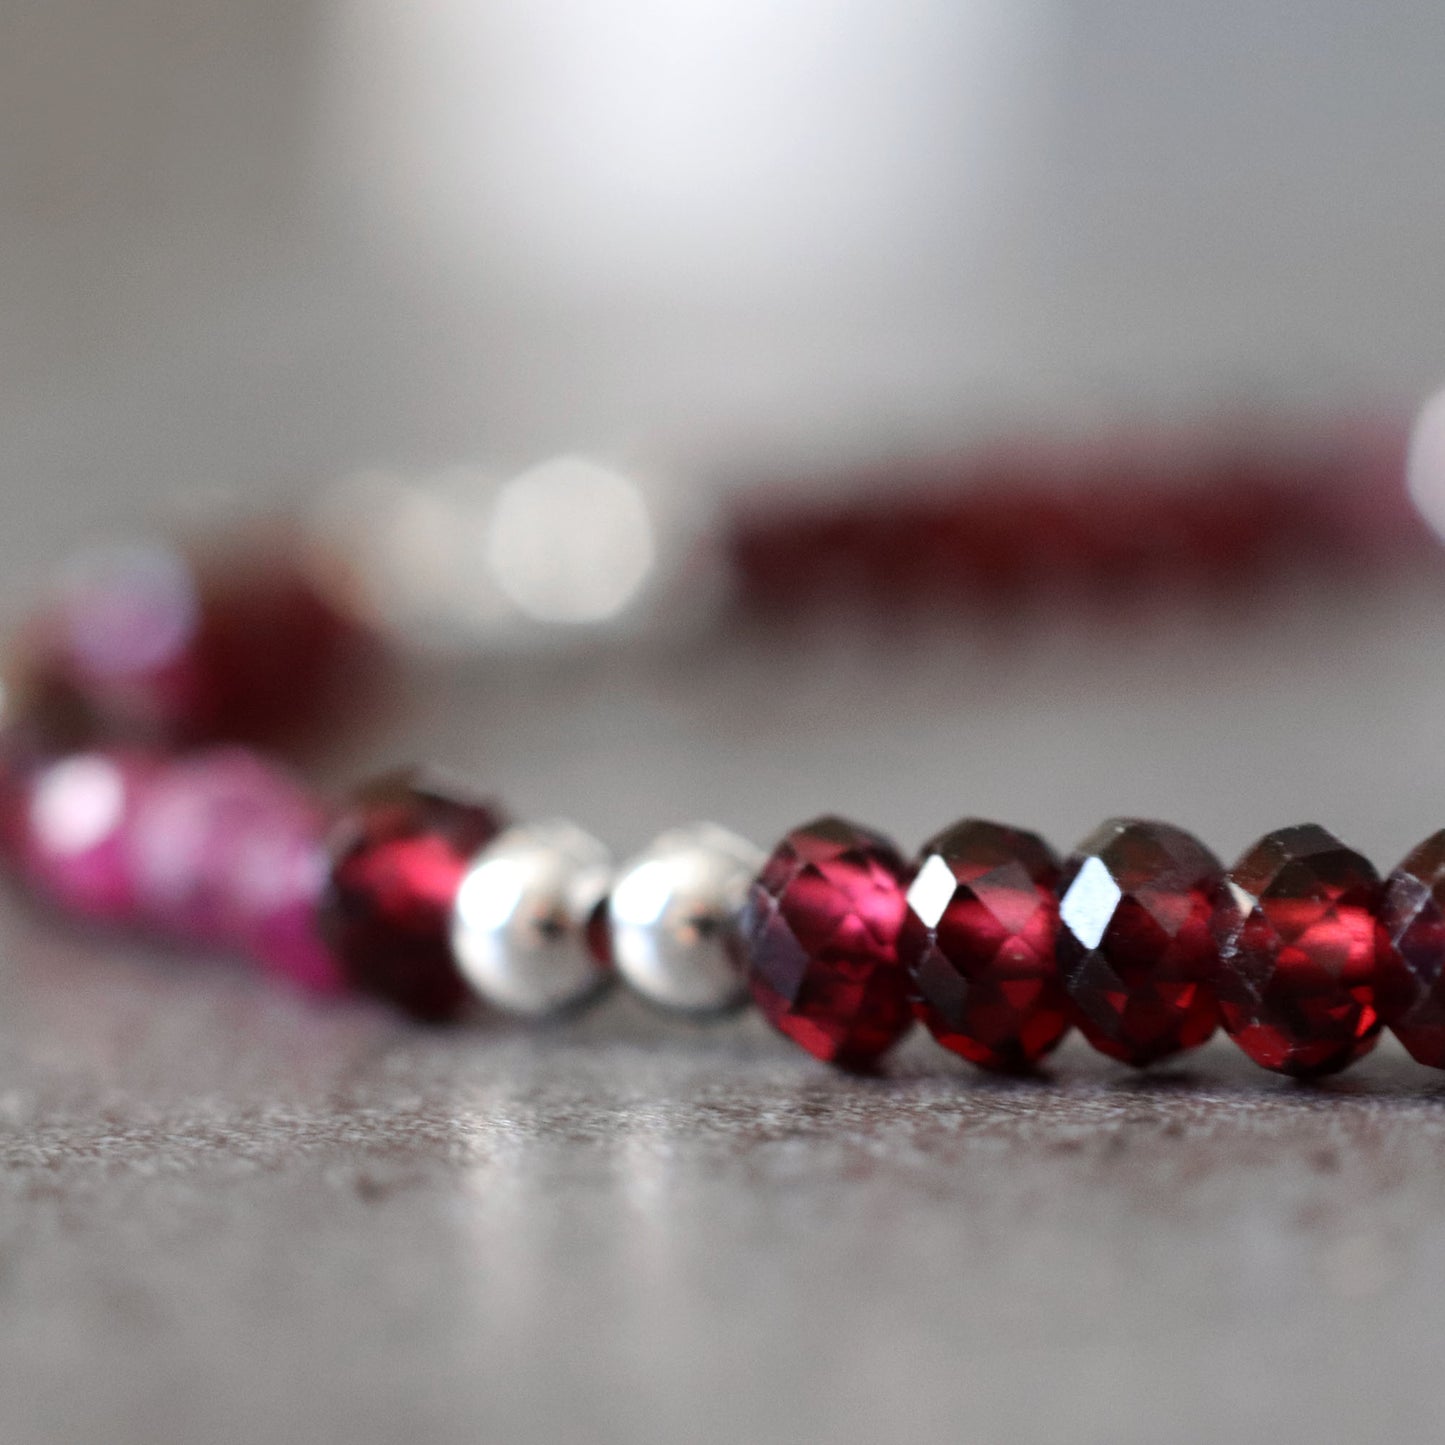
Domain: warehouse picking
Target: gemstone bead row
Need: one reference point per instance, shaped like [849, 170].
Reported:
[422, 895]
[417, 893]
[1140, 939]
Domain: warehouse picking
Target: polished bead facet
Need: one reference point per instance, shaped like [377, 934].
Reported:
[673, 918]
[1302, 953]
[522, 914]
[978, 943]
[1413, 913]
[821, 930]
[398, 856]
[1134, 943]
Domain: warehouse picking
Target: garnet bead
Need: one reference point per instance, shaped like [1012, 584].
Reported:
[978, 942]
[821, 936]
[165, 645]
[1134, 943]
[1413, 913]
[1303, 955]
[398, 857]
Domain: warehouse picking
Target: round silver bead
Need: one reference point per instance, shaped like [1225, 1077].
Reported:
[674, 913]
[520, 921]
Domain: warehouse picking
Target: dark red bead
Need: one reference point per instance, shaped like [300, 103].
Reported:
[176, 646]
[1413, 914]
[397, 859]
[598, 933]
[1134, 943]
[978, 942]
[1302, 952]
[821, 937]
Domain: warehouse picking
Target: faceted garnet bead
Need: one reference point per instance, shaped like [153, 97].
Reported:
[820, 932]
[1413, 913]
[978, 942]
[1303, 956]
[1134, 943]
[398, 856]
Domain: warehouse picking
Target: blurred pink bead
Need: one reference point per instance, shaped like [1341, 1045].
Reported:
[226, 850]
[74, 816]
[284, 937]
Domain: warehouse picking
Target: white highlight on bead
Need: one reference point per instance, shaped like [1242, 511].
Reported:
[76, 803]
[1090, 902]
[674, 915]
[932, 890]
[643, 894]
[1244, 900]
[519, 924]
[1425, 465]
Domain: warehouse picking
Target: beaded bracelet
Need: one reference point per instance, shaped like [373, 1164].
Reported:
[420, 894]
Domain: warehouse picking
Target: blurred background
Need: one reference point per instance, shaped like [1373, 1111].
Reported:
[367, 262]
[252, 251]
[258, 246]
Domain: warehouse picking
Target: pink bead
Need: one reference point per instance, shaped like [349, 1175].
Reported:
[285, 940]
[74, 815]
[226, 850]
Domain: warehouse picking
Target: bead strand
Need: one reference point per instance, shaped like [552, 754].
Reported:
[420, 894]
[425, 897]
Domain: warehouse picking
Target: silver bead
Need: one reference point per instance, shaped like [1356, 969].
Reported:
[674, 913]
[519, 925]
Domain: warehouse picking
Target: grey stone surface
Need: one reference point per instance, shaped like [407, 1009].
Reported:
[228, 1217]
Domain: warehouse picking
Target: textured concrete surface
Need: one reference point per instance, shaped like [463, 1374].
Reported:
[224, 1218]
